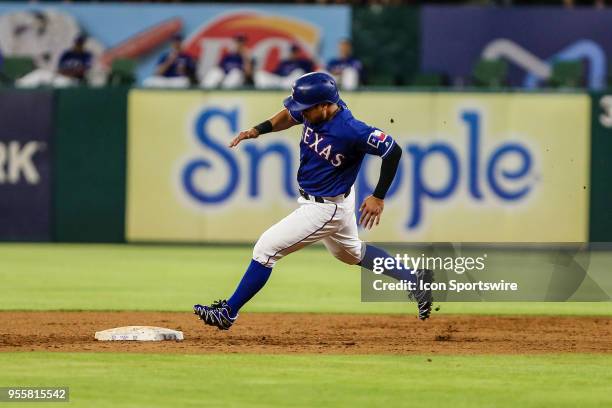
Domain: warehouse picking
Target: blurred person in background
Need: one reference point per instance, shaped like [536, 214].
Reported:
[72, 69]
[234, 69]
[346, 68]
[175, 68]
[287, 71]
[75, 62]
[3, 78]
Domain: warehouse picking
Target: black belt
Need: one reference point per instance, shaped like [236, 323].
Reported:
[317, 198]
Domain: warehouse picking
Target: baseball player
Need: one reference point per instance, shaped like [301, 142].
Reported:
[332, 147]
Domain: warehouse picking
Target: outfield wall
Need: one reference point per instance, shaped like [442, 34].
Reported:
[26, 149]
[601, 168]
[476, 167]
[89, 165]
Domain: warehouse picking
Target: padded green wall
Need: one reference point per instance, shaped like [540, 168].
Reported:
[601, 172]
[387, 41]
[89, 165]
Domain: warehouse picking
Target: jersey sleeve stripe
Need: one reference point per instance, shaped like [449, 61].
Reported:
[294, 118]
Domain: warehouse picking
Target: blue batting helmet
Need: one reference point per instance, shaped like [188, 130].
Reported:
[310, 90]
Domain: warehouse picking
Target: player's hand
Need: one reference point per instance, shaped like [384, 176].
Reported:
[252, 133]
[371, 209]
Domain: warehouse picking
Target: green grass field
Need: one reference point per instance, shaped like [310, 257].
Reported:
[172, 278]
[139, 380]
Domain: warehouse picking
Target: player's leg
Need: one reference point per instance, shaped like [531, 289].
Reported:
[61, 81]
[349, 249]
[155, 81]
[266, 80]
[349, 79]
[158, 81]
[308, 224]
[233, 79]
[178, 82]
[213, 78]
[346, 246]
[423, 297]
[35, 78]
[288, 81]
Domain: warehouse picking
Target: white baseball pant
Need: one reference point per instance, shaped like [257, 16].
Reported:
[216, 77]
[332, 222]
[159, 81]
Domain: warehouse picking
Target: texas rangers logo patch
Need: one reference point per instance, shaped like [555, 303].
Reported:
[376, 138]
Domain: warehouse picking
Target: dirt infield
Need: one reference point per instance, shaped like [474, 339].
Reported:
[313, 333]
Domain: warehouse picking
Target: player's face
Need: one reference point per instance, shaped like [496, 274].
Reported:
[239, 45]
[345, 49]
[316, 114]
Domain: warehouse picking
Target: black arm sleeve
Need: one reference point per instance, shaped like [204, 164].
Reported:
[264, 127]
[388, 169]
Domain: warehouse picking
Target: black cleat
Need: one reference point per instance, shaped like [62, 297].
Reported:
[218, 314]
[423, 297]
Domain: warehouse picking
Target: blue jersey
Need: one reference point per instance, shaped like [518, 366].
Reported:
[183, 65]
[331, 152]
[336, 65]
[232, 61]
[286, 67]
[73, 60]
